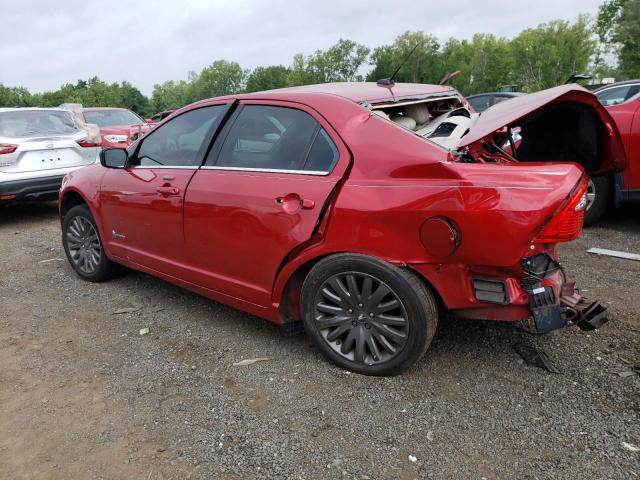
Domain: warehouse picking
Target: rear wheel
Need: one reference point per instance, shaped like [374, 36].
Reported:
[83, 246]
[598, 196]
[366, 315]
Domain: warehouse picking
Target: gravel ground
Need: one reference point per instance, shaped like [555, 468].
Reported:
[83, 395]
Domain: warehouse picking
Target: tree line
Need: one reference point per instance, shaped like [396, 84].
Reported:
[536, 58]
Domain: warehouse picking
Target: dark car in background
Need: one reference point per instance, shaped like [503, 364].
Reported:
[158, 117]
[482, 101]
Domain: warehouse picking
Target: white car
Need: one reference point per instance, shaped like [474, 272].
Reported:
[38, 147]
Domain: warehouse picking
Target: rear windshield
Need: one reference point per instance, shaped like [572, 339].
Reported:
[29, 123]
[112, 118]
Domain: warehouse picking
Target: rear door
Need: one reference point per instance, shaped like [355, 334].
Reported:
[142, 204]
[259, 195]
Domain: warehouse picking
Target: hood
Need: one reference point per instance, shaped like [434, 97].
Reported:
[564, 123]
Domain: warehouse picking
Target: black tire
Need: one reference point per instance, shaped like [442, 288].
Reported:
[599, 196]
[389, 332]
[83, 246]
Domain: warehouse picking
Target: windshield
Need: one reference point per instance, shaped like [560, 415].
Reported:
[112, 118]
[28, 123]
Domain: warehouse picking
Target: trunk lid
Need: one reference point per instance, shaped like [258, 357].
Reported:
[564, 123]
[47, 153]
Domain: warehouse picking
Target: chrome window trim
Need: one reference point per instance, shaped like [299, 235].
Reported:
[604, 89]
[267, 170]
[149, 167]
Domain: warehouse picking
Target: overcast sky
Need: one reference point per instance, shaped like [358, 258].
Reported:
[45, 43]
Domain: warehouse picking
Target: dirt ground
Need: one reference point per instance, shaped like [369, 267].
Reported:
[83, 395]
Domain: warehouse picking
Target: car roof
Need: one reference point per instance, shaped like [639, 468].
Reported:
[43, 109]
[358, 92]
[95, 109]
[617, 84]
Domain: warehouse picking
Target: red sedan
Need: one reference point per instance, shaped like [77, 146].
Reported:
[363, 210]
[118, 126]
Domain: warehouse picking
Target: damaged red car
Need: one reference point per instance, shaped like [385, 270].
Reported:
[365, 211]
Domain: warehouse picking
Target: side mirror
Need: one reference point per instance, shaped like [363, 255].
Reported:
[113, 157]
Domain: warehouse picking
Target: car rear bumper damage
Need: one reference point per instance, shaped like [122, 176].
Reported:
[539, 298]
[30, 189]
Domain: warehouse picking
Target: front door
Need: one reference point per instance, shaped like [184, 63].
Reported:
[142, 205]
[259, 195]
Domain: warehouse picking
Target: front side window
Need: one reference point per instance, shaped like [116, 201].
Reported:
[178, 143]
[276, 138]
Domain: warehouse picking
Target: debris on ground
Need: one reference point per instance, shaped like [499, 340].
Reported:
[124, 310]
[614, 253]
[630, 446]
[52, 260]
[250, 361]
[535, 357]
[413, 458]
[144, 331]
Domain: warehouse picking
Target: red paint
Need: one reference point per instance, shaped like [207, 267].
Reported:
[132, 132]
[239, 236]
[627, 119]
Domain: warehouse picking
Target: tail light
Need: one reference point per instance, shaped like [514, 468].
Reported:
[7, 148]
[86, 143]
[566, 224]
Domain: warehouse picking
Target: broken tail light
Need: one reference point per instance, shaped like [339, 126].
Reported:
[566, 224]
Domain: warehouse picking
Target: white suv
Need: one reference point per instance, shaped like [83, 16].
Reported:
[38, 147]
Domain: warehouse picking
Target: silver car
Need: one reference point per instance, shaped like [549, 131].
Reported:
[38, 147]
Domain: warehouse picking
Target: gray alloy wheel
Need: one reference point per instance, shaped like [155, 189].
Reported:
[361, 318]
[599, 193]
[591, 194]
[83, 244]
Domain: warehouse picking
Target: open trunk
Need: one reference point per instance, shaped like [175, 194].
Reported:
[561, 124]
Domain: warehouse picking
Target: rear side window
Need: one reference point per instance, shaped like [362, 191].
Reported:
[323, 154]
[614, 95]
[29, 123]
[276, 138]
[178, 143]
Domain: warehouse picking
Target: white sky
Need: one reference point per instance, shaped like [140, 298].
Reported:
[45, 43]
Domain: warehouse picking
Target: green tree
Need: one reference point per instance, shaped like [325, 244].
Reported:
[340, 63]
[219, 78]
[133, 99]
[169, 95]
[300, 73]
[15, 97]
[458, 55]
[267, 78]
[423, 66]
[547, 55]
[625, 34]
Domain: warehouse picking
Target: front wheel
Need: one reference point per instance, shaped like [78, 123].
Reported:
[366, 315]
[83, 246]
